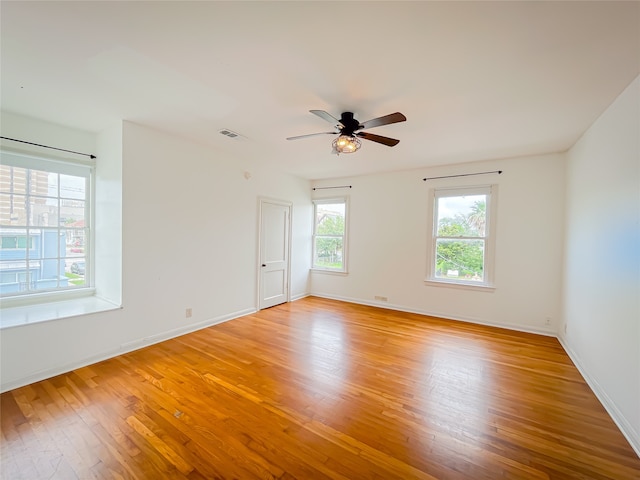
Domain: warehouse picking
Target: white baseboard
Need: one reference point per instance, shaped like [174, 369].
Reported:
[124, 348]
[299, 296]
[400, 308]
[632, 436]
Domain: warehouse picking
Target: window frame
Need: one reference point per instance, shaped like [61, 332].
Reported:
[61, 166]
[488, 282]
[324, 201]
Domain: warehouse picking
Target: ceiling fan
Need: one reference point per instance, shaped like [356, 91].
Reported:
[349, 129]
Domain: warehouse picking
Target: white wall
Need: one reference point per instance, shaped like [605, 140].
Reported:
[389, 233]
[602, 261]
[37, 131]
[107, 209]
[189, 239]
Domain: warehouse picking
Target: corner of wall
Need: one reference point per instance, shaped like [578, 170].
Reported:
[108, 215]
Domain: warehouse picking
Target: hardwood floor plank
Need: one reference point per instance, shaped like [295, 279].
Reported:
[160, 446]
[320, 389]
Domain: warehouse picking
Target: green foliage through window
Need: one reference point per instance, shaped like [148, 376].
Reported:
[329, 238]
[460, 239]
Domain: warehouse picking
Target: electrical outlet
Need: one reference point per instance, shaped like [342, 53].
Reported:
[381, 298]
[547, 321]
[565, 328]
[188, 312]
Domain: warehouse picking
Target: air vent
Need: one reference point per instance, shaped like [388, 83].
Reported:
[228, 133]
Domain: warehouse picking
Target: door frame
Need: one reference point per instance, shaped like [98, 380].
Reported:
[289, 205]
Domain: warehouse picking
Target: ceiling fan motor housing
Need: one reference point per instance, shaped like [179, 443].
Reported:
[350, 123]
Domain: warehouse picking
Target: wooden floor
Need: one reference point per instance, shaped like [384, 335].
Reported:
[320, 389]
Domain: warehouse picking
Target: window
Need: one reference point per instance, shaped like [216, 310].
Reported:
[462, 246]
[44, 225]
[15, 242]
[330, 235]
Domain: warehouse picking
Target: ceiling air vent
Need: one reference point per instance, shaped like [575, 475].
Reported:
[228, 133]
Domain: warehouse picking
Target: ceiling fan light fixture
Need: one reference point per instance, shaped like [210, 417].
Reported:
[346, 144]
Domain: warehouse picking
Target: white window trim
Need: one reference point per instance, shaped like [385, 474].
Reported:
[345, 242]
[488, 285]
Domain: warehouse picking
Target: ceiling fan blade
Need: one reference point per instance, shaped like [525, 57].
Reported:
[328, 117]
[311, 135]
[386, 120]
[389, 142]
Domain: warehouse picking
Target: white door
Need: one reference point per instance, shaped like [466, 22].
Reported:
[274, 253]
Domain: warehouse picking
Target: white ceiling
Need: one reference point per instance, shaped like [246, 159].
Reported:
[476, 80]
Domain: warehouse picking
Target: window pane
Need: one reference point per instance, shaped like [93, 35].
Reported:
[41, 183]
[44, 212]
[74, 242]
[75, 271]
[72, 213]
[12, 210]
[9, 269]
[72, 187]
[460, 259]
[49, 275]
[13, 179]
[462, 216]
[328, 252]
[330, 218]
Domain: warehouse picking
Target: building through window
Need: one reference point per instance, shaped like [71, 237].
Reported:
[44, 225]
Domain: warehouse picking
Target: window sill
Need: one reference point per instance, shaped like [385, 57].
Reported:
[460, 285]
[21, 315]
[330, 272]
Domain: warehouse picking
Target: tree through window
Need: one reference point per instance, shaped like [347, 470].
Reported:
[329, 244]
[461, 246]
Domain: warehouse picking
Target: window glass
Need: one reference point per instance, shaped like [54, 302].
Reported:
[72, 187]
[462, 237]
[43, 225]
[329, 252]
